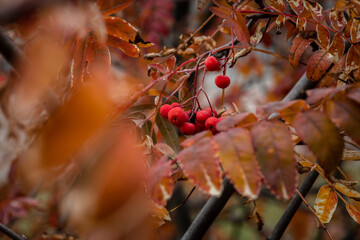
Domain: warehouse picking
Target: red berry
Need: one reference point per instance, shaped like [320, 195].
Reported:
[164, 110]
[210, 124]
[222, 81]
[212, 64]
[177, 116]
[213, 113]
[187, 128]
[202, 115]
[198, 127]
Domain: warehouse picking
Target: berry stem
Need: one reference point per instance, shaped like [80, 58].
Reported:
[223, 97]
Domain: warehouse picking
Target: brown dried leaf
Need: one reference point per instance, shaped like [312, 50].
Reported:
[338, 20]
[296, 5]
[325, 204]
[352, 59]
[97, 57]
[120, 28]
[353, 212]
[355, 30]
[274, 152]
[322, 137]
[351, 193]
[276, 4]
[323, 35]
[316, 10]
[337, 47]
[128, 48]
[297, 48]
[109, 7]
[318, 65]
[237, 157]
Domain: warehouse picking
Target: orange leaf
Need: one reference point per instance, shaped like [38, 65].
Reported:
[337, 47]
[128, 48]
[316, 10]
[297, 48]
[285, 109]
[159, 184]
[241, 30]
[278, 5]
[200, 164]
[238, 120]
[338, 20]
[237, 157]
[296, 5]
[274, 151]
[323, 35]
[325, 204]
[345, 113]
[120, 28]
[318, 64]
[318, 94]
[351, 193]
[79, 61]
[97, 56]
[322, 137]
[352, 59]
[353, 212]
[109, 7]
[355, 30]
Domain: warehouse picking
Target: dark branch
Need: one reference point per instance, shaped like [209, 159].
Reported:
[207, 214]
[10, 233]
[11, 52]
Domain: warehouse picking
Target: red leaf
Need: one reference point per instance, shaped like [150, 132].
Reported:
[276, 4]
[315, 9]
[285, 109]
[241, 119]
[318, 94]
[352, 60]
[120, 28]
[79, 61]
[296, 5]
[159, 184]
[346, 113]
[322, 137]
[337, 47]
[238, 159]
[297, 48]
[241, 30]
[274, 151]
[325, 204]
[338, 20]
[128, 48]
[318, 64]
[109, 7]
[200, 164]
[355, 30]
[97, 57]
[353, 212]
[221, 12]
[323, 35]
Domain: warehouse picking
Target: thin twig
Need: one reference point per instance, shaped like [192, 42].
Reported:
[313, 212]
[10, 233]
[192, 190]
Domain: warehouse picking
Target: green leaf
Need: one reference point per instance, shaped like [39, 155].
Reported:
[168, 131]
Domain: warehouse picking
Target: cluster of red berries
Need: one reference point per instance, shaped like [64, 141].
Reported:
[190, 122]
[212, 64]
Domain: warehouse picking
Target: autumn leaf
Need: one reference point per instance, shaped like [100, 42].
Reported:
[238, 120]
[318, 94]
[200, 163]
[325, 204]
[318, 65]
[345, 113]
[277, 5]
[315, 9]
[274, 152]
[297, 48]
[322, 137]
[168, 132]
[79, 61]
[351, 193]
[353, 212]
[128, 48]
[337, 47]
[120, 28]
[109, 7]
[159, 184]
[352, 59]
[355, 30]
[323, 35]
[296, 5]
[338, 20]
[97, 57]
[237, 157]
